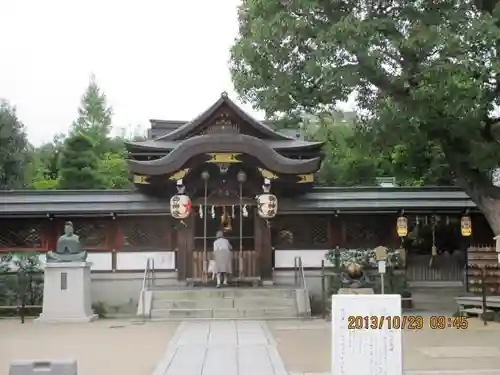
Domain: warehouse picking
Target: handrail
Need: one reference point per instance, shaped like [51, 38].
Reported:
[148, 281]
[300, 281]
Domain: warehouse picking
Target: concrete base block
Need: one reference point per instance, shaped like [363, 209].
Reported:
[43, 367]
[66, 294]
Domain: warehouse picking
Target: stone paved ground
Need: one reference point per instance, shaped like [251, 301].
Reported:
[100, 350]
[222, 348]
[120, 347]
[305, 347]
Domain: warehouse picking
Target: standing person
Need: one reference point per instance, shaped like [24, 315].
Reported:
[222, 256]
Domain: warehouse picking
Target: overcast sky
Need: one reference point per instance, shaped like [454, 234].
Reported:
[153, 58]
[159, 59]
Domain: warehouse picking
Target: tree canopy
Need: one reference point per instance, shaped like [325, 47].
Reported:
[79, 164]
[107, 158]
[13, 148]
[355, 157]
[425, 74]
[94, 117]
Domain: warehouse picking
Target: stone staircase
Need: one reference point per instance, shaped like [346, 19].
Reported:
[224, 303]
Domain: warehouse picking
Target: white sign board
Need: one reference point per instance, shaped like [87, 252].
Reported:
[362, 341]
[381, 266]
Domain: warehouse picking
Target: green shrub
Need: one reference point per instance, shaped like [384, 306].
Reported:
[99, 308]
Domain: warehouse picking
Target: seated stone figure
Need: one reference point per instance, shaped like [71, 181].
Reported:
[354, 277]
[68, 247]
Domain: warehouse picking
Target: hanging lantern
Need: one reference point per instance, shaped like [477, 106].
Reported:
[402, 226]
[267, 203]
[180, 204]
[226, 221]
[466, 226]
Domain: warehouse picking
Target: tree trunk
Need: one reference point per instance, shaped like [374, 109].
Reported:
[479, 188]
[490, 207]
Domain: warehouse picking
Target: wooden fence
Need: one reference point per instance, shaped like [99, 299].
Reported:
[442, 267]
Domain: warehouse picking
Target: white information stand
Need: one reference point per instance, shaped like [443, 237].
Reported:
[367, 351]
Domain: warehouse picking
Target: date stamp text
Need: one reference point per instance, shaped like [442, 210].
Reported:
[412, 322]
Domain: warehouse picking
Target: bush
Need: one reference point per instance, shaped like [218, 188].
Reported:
[99, 308]
[21, 280]
[364, 257]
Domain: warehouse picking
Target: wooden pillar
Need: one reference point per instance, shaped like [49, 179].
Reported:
[185, 247]
[263, 247]
[343, 231]
[114, 240]
[50, 234]
[334, 232]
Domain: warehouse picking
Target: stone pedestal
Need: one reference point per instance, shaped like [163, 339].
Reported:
[66, 293]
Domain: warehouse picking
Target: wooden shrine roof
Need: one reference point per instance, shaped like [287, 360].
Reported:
[325, 200]
[279, 145]
[228, 143]
[184, 130]
[175, 132]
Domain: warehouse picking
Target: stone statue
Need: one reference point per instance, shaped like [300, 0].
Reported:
[68, 247]
[354, 277]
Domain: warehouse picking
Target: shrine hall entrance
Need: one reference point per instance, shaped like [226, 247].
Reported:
[245, 230]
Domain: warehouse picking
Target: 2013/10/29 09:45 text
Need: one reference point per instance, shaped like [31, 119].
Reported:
[412, 322]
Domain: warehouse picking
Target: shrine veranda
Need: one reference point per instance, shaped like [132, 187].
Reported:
[222, 162]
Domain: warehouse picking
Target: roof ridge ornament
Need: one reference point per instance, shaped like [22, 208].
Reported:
[223, 94]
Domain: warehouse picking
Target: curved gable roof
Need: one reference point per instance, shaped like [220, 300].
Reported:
[239, 143]
[184, 130]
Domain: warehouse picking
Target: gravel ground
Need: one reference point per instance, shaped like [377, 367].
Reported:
[104, 347]
[305, 347]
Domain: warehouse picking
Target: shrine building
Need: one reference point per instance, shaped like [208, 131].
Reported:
[224, 170]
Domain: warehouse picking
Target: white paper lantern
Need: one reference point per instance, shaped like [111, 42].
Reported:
[180, 206]
[267, 205]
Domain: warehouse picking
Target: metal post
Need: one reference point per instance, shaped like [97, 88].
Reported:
[205, 263]
[241, 177]
[240, 265]
[382, 271]
[483, 284]
[323, 290]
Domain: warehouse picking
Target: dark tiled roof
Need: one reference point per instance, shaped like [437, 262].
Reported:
[381, 199]
[33, 202]
[78, 201]
[162, 145]
[239, 143]
[224, 100]
[166, 135]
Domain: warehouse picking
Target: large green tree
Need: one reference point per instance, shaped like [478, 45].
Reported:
[113, 168]
[355, 155]
[79, 164]
[422, 70]
[43, 170]
[94, 117]
[14, 147]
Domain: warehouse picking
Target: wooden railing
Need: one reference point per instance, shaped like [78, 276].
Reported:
[250, 264]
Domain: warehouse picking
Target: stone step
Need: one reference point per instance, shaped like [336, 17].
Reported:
[254, 313]
[223, 293]
[475, 311]
[214, 303]
[265, 302]
[205, 303]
